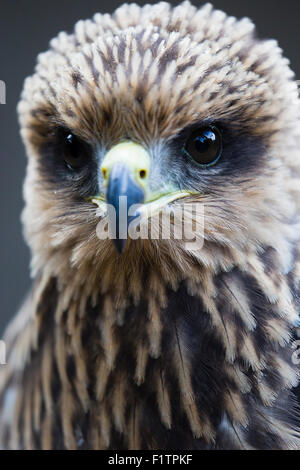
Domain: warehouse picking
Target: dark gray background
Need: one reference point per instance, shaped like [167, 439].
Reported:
[26, 26]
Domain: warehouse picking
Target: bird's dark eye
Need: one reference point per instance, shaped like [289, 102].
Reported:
[75, 152]
[204, 146]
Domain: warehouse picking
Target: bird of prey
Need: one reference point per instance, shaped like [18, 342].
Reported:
[156, 343]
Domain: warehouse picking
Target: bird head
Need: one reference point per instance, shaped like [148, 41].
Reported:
[148, 115]
[166, 108]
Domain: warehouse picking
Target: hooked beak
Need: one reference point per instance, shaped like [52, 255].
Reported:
[126, 171]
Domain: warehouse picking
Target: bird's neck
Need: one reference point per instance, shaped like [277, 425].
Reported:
[198, 355]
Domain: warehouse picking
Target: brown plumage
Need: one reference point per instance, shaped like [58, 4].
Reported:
[163, 346]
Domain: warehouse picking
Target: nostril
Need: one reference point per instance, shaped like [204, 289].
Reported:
[143, 174]
[104, 172]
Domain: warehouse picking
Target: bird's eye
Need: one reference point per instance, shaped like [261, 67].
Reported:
[75, 152]
[204, 146]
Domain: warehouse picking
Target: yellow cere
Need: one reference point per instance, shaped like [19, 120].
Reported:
[134, 156]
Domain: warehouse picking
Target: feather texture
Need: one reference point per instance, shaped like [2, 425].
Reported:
[165, 347]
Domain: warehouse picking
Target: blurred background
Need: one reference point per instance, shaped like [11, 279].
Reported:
[26, 26]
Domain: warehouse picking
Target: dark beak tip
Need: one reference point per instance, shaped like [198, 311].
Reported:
[119, 244]
[120, 184]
